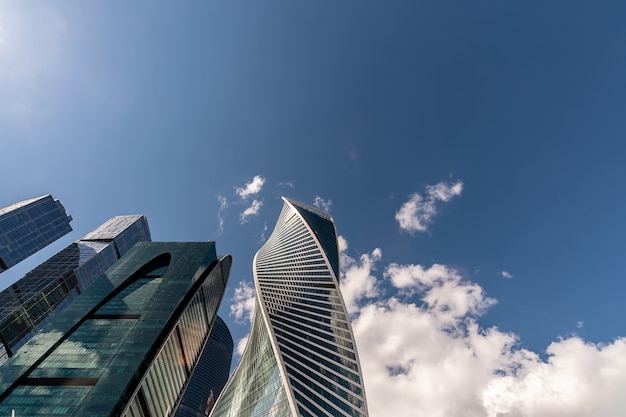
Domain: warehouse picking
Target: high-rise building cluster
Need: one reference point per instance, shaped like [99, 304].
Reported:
[118, 325]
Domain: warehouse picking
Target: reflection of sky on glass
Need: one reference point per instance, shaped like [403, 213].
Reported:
[134, 299]
[83, 358]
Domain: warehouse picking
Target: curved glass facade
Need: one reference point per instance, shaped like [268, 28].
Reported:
[128, 345]
[210, 374]
[30, 303]
[301, 337]
[256, 388]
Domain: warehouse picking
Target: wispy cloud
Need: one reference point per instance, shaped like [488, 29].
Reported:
[322, 204]
[253, 210]
[354, 155]
[424, 353]
[287, 184]
[251, 188]
[418, 212]
[220, 219]
[506, 274]
[263, 237]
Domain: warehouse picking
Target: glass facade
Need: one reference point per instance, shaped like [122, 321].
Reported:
[129, 344]
[301, 357]
[256, 388]
[210, 374]
[28, 226]
[31, 302]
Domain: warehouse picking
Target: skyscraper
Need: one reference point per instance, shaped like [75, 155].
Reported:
[27, 305]
[28, 226]
[301, 358]
[210, 375]
[128, 344]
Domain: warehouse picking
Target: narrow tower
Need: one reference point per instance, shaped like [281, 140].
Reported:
[301, 358]
[29, 226]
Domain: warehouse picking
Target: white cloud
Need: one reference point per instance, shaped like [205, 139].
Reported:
[580, 324]
[506, 274]
[446, 295]
[423, 353]
[241, 345]
[418, 212]
[252, 188]
[287, 184]
[322, 204]
[253, 210]
[444, 191]
[342, 245]
[579, 379]
[357, 283]
[243, 302]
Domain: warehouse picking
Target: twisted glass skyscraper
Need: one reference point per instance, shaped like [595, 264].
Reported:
[301, 358]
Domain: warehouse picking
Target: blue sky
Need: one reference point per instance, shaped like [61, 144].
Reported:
[381, 110]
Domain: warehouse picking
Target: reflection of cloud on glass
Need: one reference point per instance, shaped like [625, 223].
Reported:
[85, 358]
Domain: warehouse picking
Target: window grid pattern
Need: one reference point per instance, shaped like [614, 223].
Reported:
[164, 383]
[256, 387]
[29, 226]
[297, 286]
[117, 354]
[34, 300]
[210, 374]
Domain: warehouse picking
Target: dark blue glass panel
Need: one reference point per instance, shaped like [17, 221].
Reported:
[324, 230]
